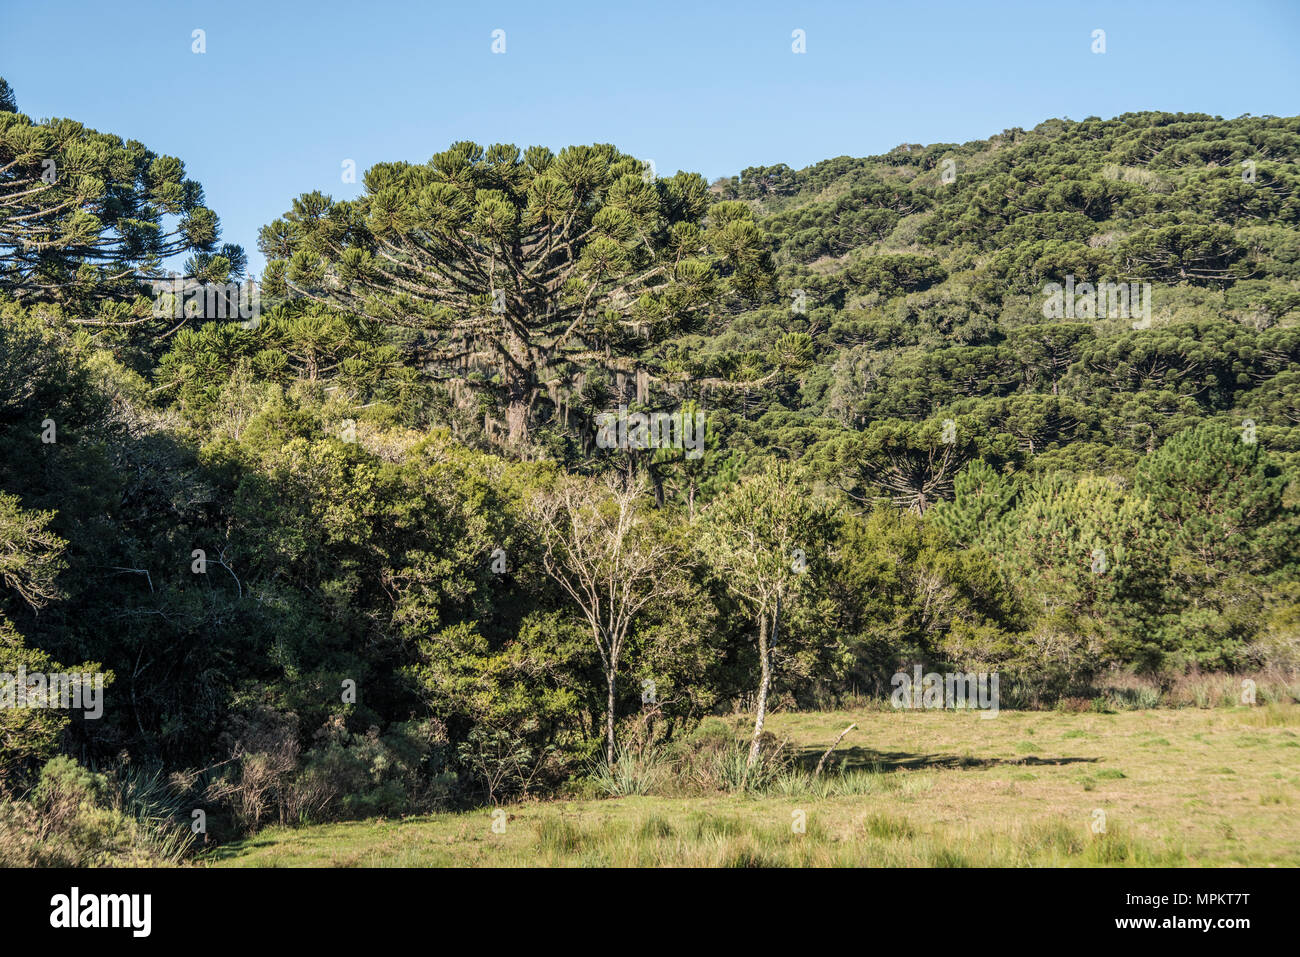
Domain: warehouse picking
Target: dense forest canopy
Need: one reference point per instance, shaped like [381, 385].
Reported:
[368, 550]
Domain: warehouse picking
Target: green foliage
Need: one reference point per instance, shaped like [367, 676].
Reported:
[28, 736]
[764, 536]
[579, 253]
[84, 214]
[907, 458]
[903, 593]
[982, 499]
[74, 817]
[29, 552]
[1220, 493]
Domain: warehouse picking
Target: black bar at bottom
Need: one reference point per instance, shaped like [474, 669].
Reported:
[638, 907]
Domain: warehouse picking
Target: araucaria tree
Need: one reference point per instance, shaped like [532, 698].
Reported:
[521, 270]
[599, 543]
[765, 539]
[86, 215]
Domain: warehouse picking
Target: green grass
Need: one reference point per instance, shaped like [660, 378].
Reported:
[908, 789]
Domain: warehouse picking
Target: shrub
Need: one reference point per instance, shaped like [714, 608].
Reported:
[68, 820]
[503, 764]
[349, 775]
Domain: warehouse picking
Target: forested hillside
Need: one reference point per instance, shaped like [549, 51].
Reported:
[402, 539]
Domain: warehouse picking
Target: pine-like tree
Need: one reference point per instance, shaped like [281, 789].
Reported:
[530, 267]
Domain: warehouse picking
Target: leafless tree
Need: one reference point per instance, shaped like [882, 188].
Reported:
[599, 543]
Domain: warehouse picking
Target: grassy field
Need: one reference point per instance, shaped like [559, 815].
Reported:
[1187, 787]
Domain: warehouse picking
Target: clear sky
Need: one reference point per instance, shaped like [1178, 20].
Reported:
[289, 90]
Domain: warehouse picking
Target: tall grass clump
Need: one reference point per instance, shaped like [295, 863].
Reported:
[634, 771]
[158, 807]
[732, 771]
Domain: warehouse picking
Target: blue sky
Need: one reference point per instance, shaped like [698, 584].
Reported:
[287, 91]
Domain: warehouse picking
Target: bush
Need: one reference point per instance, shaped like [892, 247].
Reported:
[503, 765]
[356, 775]
[345, 775]
[69, 819]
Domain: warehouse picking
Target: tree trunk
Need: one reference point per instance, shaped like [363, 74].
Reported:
[517, 412]
[657, 481]
[765, 664]
[519, 390]
[609, 719]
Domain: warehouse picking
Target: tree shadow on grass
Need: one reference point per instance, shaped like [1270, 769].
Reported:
[860, 759]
